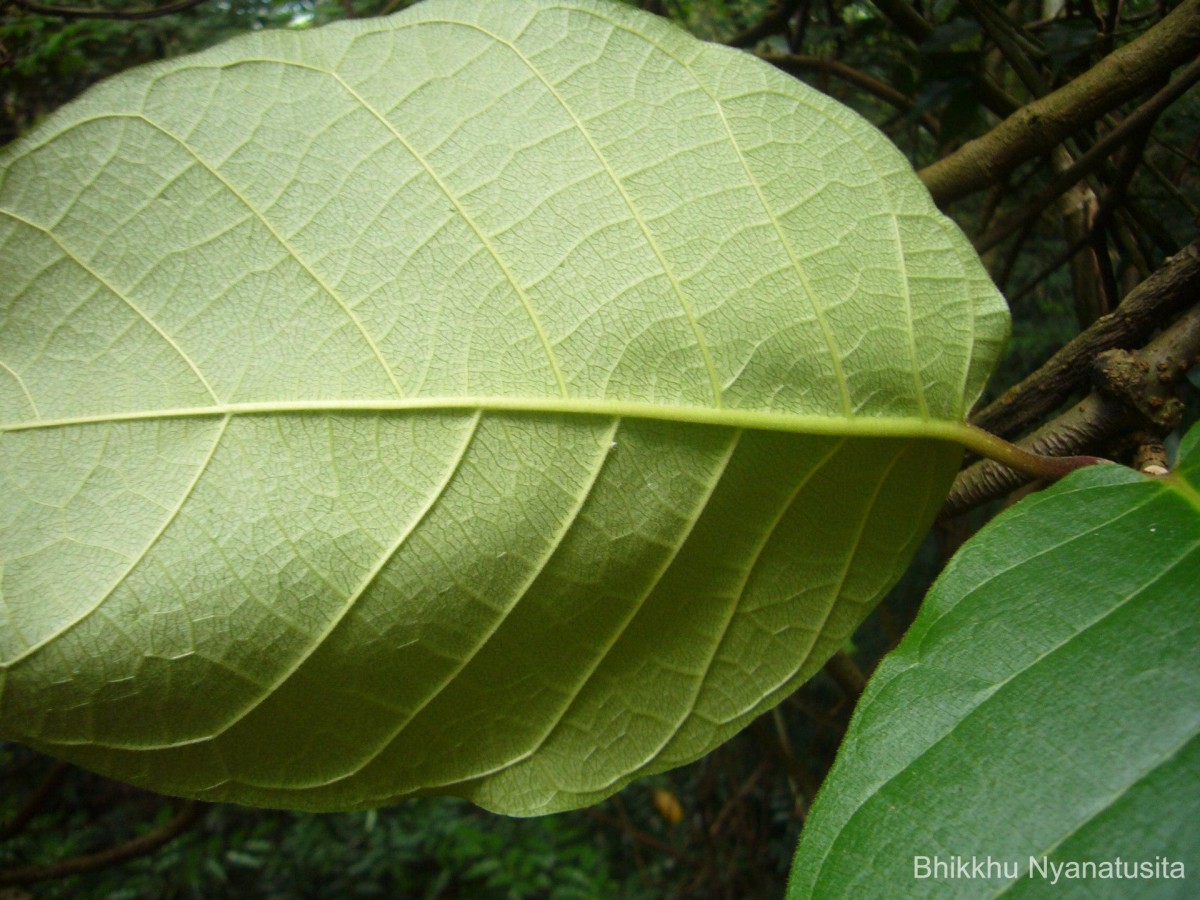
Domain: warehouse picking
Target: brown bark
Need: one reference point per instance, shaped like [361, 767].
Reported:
[1134, 394]
[1039, 126]
[187, 815]
[1159, 298]
[99, 12]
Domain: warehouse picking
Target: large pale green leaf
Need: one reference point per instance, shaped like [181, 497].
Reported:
[1045, 705]
[503, 399]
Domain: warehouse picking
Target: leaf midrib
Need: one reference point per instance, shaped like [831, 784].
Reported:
[766, 420]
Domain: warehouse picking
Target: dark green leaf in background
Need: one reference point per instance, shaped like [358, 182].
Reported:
[1046, 703]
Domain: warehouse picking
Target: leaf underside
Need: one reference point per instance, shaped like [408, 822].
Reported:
[1045, 705]
[497, 399]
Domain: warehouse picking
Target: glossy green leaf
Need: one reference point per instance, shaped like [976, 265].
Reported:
[501, 399]
[1044, 706]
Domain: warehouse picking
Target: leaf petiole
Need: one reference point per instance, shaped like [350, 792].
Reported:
[1047, 468]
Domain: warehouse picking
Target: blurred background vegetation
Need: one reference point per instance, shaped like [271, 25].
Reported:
[726, 826]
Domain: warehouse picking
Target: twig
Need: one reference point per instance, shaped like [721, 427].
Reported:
[1149, 225]
[1169, 186]
[1132, 247]
[1143, 403]
[185, 817]
[799, 31]
[1133, 128]
[1112, 15]
[849, 677]
[1175, 151]
[1082, 243]
[1009, 43]
[73, 12]
[635, 833]
[774, 22]
[776, 742]
[1013, 254]
[1106, 224]
[905, 18]
[1161, 296]
[910, 23]
[1151, 455]
[33, 805]
[788, 752]
[794, 63]
[1042, 124]
[739, 795]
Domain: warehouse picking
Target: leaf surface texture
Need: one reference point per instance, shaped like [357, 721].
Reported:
[498, 399]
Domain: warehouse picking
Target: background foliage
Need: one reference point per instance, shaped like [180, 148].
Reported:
[931, 87]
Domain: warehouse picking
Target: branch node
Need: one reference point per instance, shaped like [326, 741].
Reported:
[1149, 391]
